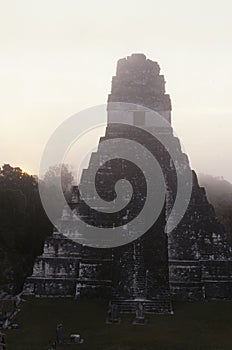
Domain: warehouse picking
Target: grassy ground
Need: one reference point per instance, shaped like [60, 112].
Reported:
[198, 326]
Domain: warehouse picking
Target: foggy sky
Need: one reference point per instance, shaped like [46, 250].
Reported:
[58, 57]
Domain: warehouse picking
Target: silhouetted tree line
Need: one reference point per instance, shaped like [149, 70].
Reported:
[23, 226]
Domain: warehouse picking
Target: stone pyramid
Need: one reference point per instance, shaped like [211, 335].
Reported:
[190, 262]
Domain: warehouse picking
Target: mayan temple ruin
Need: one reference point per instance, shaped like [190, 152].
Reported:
[192, 262]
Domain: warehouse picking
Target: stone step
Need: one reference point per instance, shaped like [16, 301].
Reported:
[161, 297]
[150, 306]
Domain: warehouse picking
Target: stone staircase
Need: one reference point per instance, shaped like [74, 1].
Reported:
[158, 304]
[139, 280]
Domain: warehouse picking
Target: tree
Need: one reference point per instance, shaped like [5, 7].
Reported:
[23, 226]
[57, 172]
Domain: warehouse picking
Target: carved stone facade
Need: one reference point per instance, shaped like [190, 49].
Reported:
[192, 263]
[67, 269]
